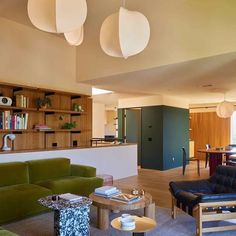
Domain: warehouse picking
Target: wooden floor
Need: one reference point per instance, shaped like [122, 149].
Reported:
[157, 182]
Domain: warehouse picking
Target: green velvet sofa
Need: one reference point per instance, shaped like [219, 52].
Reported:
[23, 183]
[4, 232]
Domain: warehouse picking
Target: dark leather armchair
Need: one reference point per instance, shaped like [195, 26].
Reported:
[205, 199]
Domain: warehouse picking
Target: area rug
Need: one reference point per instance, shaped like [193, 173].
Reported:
[183, 225]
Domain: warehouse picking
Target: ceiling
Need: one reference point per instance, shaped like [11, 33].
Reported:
[199, 77]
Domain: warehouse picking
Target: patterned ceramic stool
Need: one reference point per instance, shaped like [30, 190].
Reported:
[70, 219]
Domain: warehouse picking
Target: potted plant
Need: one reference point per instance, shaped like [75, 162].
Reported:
[69, 125]
[43, 102]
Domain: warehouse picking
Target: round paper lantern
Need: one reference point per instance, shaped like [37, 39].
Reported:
[57, 16]
[75, 38]
[225, 109]
[124, 33]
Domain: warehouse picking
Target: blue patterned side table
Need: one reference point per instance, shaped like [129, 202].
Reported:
[70, 219]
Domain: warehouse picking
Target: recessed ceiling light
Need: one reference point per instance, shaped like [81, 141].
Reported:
[97, 91]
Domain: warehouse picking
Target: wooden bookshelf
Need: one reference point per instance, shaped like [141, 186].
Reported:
[60, 112]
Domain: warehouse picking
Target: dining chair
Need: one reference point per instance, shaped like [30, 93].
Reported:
[185, 160]
[208, 146]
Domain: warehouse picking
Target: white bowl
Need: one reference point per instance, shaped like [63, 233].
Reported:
[127, 223]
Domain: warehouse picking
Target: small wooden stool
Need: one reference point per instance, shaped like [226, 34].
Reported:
[107, 179]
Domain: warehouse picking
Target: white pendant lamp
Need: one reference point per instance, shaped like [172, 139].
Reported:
[57, 16]
[225, 109]
[75, 38]
[124, 33]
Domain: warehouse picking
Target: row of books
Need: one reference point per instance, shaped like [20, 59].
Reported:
[115, 194]
[13, 121]
[22, 101]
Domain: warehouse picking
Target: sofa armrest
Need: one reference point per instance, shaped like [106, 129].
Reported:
[218, 197]
[83, 171]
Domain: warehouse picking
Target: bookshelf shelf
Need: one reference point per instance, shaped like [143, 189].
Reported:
[60, 112]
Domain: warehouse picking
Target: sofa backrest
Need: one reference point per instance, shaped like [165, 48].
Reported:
[45, 169]
[12, 173]
[224, 179]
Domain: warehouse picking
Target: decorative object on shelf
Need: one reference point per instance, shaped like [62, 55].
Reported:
[43, 102]
[75, 37]
[124, 33]
[69, 125]
[11, 137]
[225, 109]
[57, 16]
[5, 101]
[77, 107]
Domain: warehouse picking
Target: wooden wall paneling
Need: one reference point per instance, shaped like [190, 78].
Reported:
[6, 91]
[56, 120]
[207, 127]
[25, 141]
[32, 95]
[61, 139]
[76, 137]
[59, 101]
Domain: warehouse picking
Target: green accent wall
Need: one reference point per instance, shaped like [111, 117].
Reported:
[165, 130]
[175, 136]
[120, 115]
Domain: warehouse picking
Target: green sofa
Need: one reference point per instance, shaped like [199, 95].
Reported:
[23, 183]
[4, 232]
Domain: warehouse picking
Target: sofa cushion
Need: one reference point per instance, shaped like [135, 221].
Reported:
[72, 184]
[13, 173]
[4, 232]
[18, 201]
[40, 170]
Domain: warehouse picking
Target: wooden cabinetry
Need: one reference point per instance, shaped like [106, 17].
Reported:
[60, 112]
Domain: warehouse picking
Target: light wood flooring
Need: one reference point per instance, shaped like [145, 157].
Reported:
[157, 182]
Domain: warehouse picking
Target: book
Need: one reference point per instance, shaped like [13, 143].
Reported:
[109, 195]
[70, 197]
[106, 190]
[126, 198]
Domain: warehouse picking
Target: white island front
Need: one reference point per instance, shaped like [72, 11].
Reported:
[120, 161]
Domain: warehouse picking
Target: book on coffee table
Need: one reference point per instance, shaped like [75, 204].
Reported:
[126, 198]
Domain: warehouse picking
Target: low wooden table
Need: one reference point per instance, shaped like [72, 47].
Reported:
[142, 225]
[104, 206]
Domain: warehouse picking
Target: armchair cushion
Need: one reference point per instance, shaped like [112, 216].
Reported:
[219, 187]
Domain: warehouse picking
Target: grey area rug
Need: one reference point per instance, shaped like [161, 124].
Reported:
[184, 225]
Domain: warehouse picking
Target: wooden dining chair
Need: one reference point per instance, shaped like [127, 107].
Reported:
[185, 160]
[208, 146]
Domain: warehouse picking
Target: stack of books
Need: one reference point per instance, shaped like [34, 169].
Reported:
[107, 191]
[126, 198]
[42, 127]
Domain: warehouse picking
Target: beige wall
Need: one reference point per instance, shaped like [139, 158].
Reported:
[110, 127]
[99, 120]
[180, 31]
[32, 57]
[153, 101]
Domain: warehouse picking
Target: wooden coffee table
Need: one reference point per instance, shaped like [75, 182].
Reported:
[104, 206]
[142, 225]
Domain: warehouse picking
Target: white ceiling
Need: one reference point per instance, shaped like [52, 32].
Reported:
[201, 81]
[185, 79]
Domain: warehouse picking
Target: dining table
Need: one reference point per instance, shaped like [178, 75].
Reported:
[216, 156]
